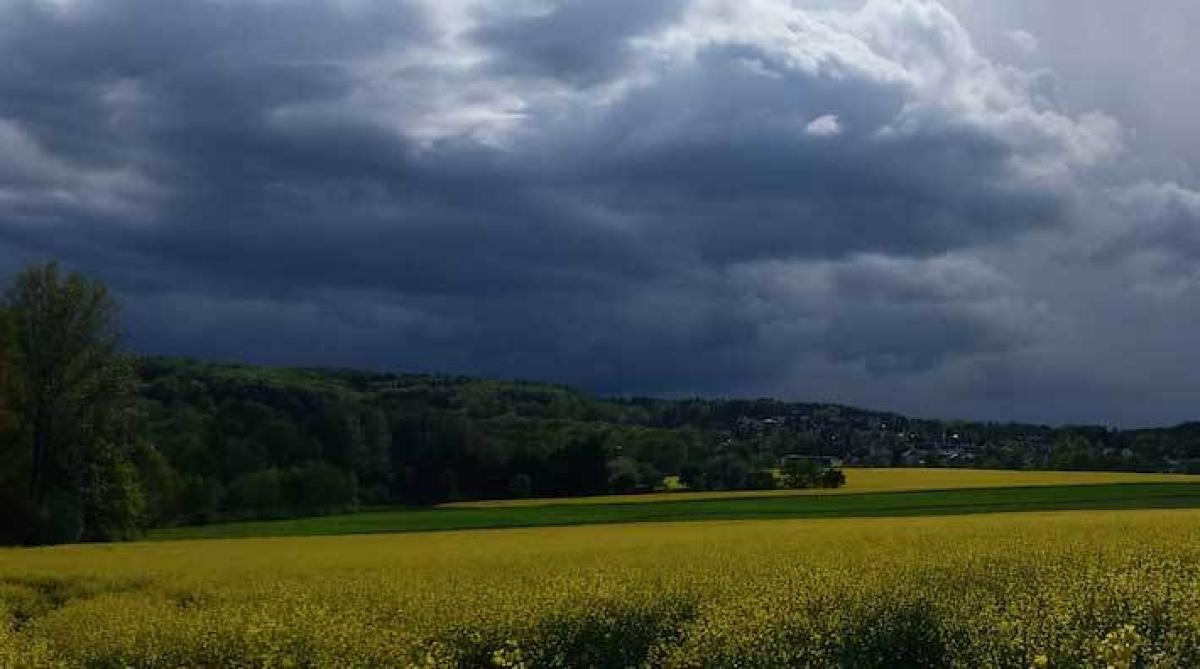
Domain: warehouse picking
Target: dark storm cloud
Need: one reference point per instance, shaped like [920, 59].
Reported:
[580, 41]
[688, 196]
[1153, 218]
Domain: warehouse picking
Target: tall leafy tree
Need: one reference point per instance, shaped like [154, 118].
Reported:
[14, 460]
[73, 394]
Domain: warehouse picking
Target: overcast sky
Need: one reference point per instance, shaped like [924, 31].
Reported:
[971, 209]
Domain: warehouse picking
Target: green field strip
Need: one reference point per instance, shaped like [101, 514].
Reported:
[865, 505]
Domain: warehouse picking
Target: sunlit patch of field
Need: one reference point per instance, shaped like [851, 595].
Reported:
[956, 501]
[1019, 590]
[859, 480]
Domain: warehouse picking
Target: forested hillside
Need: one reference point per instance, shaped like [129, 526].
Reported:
[262, 442]
[97, 444]
[246, 441]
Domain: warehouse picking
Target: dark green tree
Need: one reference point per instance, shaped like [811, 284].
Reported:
[375, 467]
[73, 395]
[801, 473]
[622, 475]
[111, 503]
[257, 495]
[520, 485]
[317, 488]
[833, 478]
[726, 472]
[761, 479]
[15, 508]
[692, 477]
[161, 484]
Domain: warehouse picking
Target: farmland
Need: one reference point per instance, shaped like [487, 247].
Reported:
[1029, 589]
[872, 479]
[915, 568]
[869, 493]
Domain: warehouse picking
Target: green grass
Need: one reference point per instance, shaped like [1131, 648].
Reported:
[912, 503]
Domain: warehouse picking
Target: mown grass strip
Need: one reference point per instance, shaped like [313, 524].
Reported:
[868, 480]
[916, 503]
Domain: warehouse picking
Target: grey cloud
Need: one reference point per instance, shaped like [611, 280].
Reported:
[889, 315]
[1133, 60]
[715, 147]
[626, 196]
[1160, 216]
[580, 41]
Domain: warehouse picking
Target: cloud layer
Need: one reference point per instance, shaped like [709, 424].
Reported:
[688, 196]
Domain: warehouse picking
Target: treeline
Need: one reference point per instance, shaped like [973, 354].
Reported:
[96, 444]
[254, 442]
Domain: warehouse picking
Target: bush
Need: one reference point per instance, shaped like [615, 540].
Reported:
[520, 486]
[761, 479]
[622, 475]
[801, 473]
[110, 497]
[833, 478]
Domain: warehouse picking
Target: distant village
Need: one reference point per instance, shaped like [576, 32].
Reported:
[854, 437]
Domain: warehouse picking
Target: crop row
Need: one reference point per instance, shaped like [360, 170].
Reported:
[1078, 589]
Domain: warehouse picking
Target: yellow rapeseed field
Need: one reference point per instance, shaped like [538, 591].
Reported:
[1079, 589]
[875, 480]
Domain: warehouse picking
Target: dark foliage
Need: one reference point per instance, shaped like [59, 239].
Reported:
[67, 412]
[93, 447]
[254, 442]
